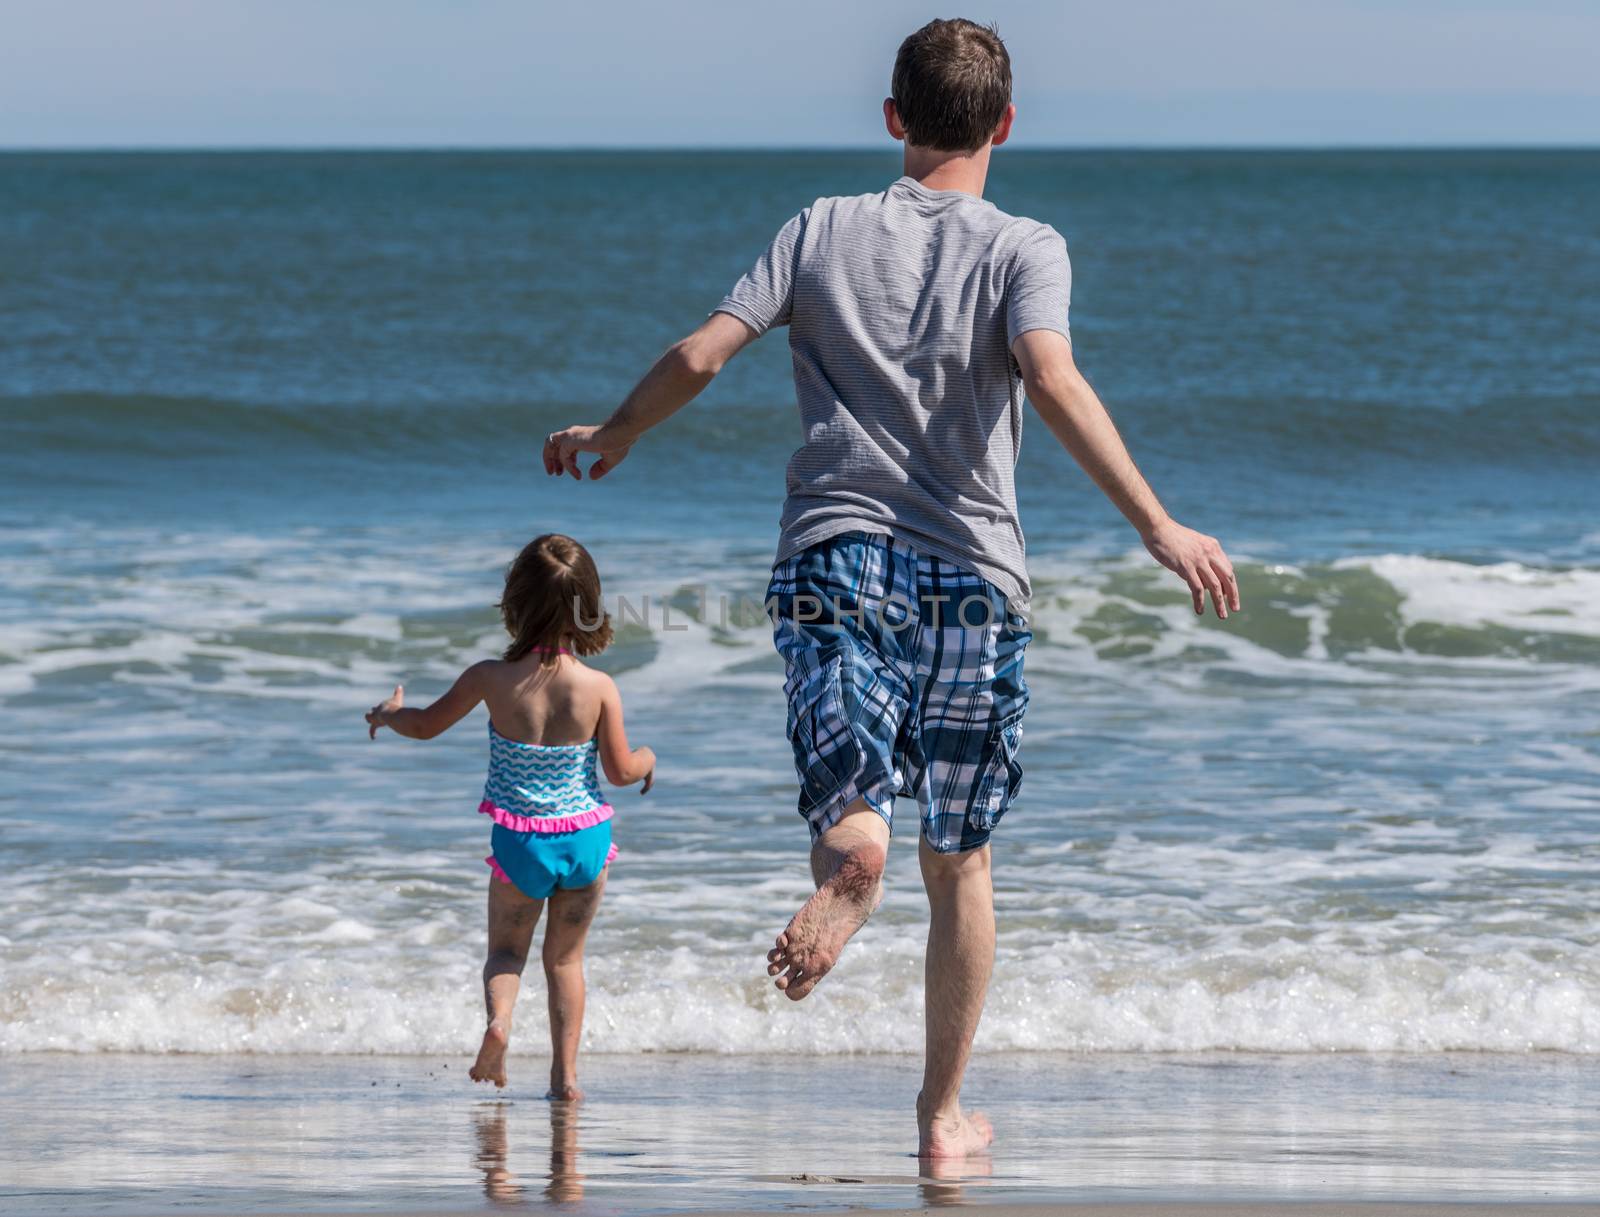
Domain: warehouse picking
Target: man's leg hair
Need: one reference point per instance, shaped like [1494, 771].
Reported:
[847, 866]
[959, 963]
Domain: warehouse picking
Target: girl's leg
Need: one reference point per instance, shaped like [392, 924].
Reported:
[512, 918]
[571, 914]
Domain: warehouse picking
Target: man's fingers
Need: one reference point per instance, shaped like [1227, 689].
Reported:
[562, 449]
[607, 462]
[555, 456]
[1213, 584]
[1230, 581]
[1197, 590]
[552, 454]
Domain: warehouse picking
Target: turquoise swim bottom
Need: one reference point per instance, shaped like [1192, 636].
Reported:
[538, 863]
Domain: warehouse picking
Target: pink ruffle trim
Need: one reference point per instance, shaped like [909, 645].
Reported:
[516, 823]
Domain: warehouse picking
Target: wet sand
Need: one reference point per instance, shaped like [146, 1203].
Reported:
[1321, 1135]
[1146, 1209]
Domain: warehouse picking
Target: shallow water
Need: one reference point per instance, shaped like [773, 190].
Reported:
[671, 1133]
[267, 439]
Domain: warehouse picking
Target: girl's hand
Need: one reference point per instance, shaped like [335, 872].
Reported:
[649, 781]
[378, 716]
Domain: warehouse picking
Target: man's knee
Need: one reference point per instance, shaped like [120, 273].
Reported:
[958, 867]
[860, 823]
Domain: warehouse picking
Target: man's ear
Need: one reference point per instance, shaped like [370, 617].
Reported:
[891, 119]
[1003, 131]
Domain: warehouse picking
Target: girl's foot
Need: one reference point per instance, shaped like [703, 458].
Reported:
[491, 1063]
[563, 1094]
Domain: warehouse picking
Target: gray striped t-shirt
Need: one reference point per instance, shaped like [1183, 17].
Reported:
[902, 308]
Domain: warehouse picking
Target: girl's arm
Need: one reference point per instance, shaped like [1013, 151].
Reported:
[430, 721]
[623, 765]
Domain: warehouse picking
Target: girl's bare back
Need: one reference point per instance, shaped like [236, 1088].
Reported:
[533, 701]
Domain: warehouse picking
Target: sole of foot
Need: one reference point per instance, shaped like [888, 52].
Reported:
[810, 945]
[491, 1063]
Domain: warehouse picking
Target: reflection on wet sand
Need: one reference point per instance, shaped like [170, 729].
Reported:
[500, 1184]
[565, 1181]
[231, 1134]
[940, 1179]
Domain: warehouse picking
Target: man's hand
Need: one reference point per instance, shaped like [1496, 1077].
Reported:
[1071, 409]
[671, 383]
[378, 716]
[1199, 561]
[561, 450]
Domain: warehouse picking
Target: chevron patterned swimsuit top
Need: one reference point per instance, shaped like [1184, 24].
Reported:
[543, 788]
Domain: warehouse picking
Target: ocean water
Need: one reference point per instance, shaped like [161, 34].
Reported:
[269, 431]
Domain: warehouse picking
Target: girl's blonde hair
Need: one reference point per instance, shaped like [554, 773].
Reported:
[552, 600]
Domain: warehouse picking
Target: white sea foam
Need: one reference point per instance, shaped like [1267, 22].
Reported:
[1503, 593]
[296, 617]
[1235, 837]
[1156, 945]
[1075, 997]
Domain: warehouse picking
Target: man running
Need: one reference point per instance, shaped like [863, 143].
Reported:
[918, 317]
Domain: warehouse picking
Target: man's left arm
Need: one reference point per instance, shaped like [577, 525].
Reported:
[1073, 412]
[675, 380]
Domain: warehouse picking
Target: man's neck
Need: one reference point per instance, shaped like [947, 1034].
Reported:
[963, 171]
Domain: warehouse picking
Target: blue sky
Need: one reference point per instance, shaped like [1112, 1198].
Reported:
[692, 72]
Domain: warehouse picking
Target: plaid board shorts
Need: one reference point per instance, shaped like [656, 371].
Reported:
[891, 694]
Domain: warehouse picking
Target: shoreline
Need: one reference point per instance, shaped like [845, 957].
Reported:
[1185, 1135]
[1111, 1209]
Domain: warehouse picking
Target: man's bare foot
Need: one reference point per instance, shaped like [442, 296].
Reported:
[564, 1093]
[807, 950]
[491, 1063]
[948, 1136]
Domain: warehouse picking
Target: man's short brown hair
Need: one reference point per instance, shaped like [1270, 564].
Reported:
[952, 84]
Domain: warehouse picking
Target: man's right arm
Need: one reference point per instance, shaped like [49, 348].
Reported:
[1072, 411]
[761, 299]
[675, 380]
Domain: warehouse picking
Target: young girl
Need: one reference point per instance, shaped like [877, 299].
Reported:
[549, 715]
